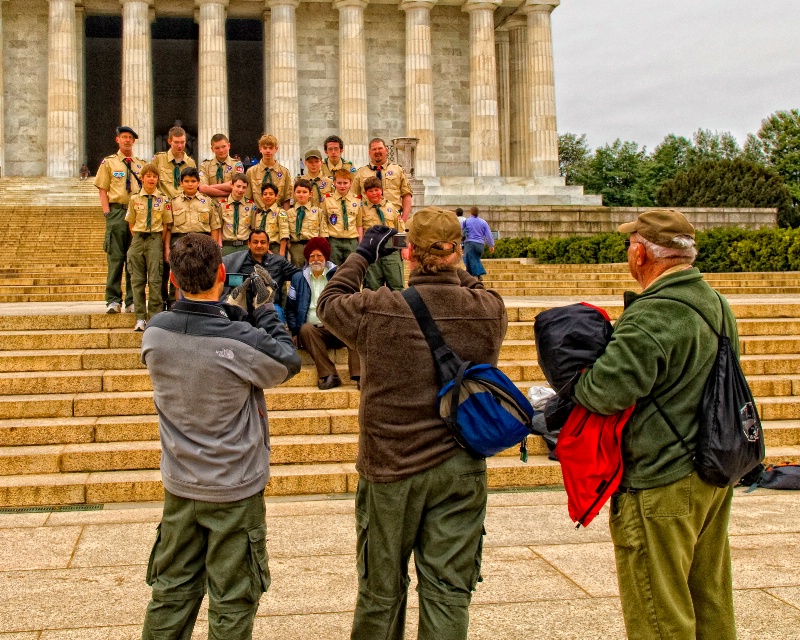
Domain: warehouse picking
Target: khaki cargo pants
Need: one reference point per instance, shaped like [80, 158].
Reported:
[205, 545]
[674, 561]
[438, 514]
[146, 266]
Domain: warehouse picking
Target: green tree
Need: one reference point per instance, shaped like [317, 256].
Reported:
[713, 145]
[574, 156]
[729, 183]
[779, 144]
[614, 173]
[669, 157]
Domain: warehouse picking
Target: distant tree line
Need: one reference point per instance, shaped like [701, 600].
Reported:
[710, 170]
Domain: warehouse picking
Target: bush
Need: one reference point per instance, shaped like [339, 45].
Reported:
[721, 250]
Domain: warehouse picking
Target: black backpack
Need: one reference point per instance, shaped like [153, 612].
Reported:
[730, 440]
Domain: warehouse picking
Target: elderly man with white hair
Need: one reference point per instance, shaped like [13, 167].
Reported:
[669, 527]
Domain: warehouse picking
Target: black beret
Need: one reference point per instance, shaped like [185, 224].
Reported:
[121, 130]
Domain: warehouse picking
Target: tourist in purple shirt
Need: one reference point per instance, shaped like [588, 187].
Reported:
[476, 235]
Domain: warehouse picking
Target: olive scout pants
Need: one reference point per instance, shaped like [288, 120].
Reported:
[146, 266]
[674, 561]
[387, 270]
[341, 248]
[438, 514]
[199, 545]
[115, 244]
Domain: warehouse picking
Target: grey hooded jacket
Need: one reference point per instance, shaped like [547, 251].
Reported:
[209, 368]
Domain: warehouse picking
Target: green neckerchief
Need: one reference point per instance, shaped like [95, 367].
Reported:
[220, 172]
[176, 172]
[380, 214]
[236, 204]
[263, 225]
[267, 179]
[315, 182]
[149, 211]
[344, 214]
[298, 225]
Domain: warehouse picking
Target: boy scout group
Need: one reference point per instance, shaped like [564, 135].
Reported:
[418, 491]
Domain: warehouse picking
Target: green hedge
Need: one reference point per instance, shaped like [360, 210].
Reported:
[720, 250]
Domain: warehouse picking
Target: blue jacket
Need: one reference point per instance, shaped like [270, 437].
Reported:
[299, 299]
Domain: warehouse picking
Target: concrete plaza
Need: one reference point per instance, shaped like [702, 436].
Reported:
[79, 575]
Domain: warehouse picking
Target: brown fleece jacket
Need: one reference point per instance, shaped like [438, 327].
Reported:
[401, 433]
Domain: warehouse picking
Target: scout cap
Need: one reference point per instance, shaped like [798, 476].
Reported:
[431, 225]
[661, 227]
[313, 153]
[121, 130]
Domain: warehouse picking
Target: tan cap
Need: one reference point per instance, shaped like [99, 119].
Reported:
[431, 225]
[661, 227]
[313, 153]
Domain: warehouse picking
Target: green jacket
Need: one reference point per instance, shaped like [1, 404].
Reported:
[661, 347]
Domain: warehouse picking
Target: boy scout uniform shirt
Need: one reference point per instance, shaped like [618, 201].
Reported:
[277, 174]
[227, 211]
[160, 212]
[196, 214]
[273, 221]
[391, 215]
[321, 186]
[335, 215]
[328, 169]
[395, 183]
[313, 223]
[212, 170]
[114, 178]
[169, 182]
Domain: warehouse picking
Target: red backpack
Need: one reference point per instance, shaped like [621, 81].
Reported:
[590, 452]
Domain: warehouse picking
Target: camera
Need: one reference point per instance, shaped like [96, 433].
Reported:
[399, 241]
[233, 280]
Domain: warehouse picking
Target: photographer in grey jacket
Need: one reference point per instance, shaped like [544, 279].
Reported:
[209, 363]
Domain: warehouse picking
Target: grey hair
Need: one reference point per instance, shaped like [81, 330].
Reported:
[687, 251]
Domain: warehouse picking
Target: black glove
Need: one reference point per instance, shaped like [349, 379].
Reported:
[264, 287]
[376, 243]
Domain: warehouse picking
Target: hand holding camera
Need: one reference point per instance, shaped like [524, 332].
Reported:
[377, 243]
[263, 286]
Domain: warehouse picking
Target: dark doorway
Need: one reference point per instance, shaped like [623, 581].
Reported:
[103, 86]
[245, 47]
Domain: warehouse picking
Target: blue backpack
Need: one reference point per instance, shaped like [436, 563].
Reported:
[482, 407]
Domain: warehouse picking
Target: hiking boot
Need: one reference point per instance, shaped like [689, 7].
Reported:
[329, 382]
[141, 325]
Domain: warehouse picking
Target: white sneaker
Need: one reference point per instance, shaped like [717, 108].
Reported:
[113, 307]
[129, 309]
[141, 325]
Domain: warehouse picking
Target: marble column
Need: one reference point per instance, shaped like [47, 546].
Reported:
[137, 74]
[484, 125]
[212, 85]
[519, 115]
[542, 130]
[503, 99]
[266, 20]
[63, 124]
[284, 113]
[80, 36]
[419, 84]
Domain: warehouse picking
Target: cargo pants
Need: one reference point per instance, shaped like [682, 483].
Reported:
[674, 561]
[146, 266]
[341, 248]
[438, 514]
[116, 243]
[387, 270]
[199, 545]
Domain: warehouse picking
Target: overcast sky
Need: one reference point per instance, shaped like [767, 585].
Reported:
[640, 69]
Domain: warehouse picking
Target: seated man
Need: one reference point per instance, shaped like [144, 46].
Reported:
[258, 252]
[301, 315]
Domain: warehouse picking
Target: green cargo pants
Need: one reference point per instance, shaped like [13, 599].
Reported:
[220, 546]
[341, 248]
[146, 266]
[674, 561]
[438, 514]
[296, 256]
[388, 271]
[116, 243]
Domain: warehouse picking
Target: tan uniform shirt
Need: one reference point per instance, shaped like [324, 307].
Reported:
[320, 187]
[391, 215]
[273, 221]
[227, 210]
[113, 177]
[277, 174]
[395, 183]
[165, 162]
[160, 212]
[329, 169]
[313, 223]
[335, 216]
[210, 171]
[198, 214]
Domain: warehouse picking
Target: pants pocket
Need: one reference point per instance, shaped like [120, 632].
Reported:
[259, 562]
[620, 521]
[152, 572]
[477, 577]
[362, 545]
[670, 501]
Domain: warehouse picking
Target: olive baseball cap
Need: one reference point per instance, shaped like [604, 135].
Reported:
[431, 225]
[313, 153]
[660, 226]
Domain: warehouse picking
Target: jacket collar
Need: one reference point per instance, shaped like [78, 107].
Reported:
[416, 278]
[658, 286]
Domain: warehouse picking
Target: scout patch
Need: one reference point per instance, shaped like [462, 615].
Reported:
[203, 217]
[352, 169]
[388, 173]
[334, 218]
[228, 168]
[279, 174]
[119, 174]
[239, 167]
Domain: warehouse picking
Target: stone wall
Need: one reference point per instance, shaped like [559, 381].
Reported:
[385, 29]
[560, 221]
[25, 93]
